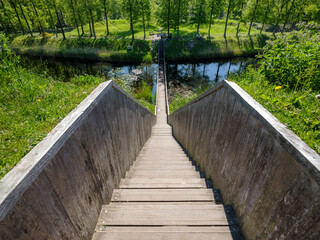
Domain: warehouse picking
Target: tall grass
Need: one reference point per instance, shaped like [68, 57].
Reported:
[31, 105]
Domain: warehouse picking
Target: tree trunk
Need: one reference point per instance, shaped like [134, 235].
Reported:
[92, 21]
[106, 17]
[36, 12]
[168, 18]
[253, 15]
[178, 28]
[144, 26]
[199, 18]
[211, 14]
[75, 18]
[287, 17]
[59, 20]
[143, 22]
[131, 21]
[15, 9]
[225, 28]
[90, 28]
[217, 75]
[262, 28]
[50, 15]
[24, 16]
[239, 20]
[79, 16]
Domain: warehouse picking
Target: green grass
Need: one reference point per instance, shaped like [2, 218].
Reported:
[179, 100]
[114, 48]
[32, 104]
[121, 29]
[111, 50]
[190, 50]
[298, 110]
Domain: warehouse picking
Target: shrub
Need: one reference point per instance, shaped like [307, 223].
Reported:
[293, 61]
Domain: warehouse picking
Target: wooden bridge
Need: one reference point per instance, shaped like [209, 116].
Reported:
[162, 195]
[113, 170]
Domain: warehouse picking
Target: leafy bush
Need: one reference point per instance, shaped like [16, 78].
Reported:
[293, 61]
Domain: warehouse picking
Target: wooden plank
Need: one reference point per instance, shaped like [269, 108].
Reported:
[163, 158]
[150, 162]
[163, 215]
[163, 167]
[162, 183]
[169, 172]
[176, 195]
[169, 229]
[162, 235]
[162, 176]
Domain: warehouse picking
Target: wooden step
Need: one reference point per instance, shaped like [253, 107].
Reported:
[154, 163]
[157, 183]
[141, 235]
[163, 167]
[163, 215]
[165, 195]
[164, 172]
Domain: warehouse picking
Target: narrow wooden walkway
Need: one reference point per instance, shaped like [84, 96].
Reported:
[162, 196]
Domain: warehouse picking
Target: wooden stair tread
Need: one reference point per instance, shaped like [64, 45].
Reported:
[175, 195]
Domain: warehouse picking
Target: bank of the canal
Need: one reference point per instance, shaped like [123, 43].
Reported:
[126, 51]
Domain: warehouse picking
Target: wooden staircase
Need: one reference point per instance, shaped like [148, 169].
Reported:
[163, 196]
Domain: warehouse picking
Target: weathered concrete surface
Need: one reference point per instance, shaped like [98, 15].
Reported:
[269, 175]
[57, 190]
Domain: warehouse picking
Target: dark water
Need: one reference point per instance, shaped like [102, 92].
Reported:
[65, 70]
[182, 78]
[193, 76]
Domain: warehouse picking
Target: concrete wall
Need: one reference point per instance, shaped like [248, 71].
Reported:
[269, 175]
[57, 190]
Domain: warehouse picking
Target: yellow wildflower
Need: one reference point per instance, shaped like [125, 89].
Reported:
[277, 87]
[39, 100]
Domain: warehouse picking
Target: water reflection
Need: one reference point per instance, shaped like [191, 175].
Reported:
[193, 76]
[65, 70]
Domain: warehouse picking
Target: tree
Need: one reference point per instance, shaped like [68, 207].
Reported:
[13, 5]
[106, 7]
[239, 6]
[74, 15]
[253, 15]
[180, 13]
[230, 7]
[37, 15]
[214, 7]
[164, 14]
[60, 22]
[24, 16]
[145, 12]
[198, 13]
[130, 10]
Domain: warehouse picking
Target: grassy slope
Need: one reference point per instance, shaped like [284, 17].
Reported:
[114, 48]
[298, 110]
[184, 50]
[31, 106]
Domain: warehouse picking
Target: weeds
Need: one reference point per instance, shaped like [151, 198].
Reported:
[31, 105]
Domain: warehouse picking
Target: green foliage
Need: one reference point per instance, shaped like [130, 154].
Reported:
[31, 104]
[287, 83]
[178, 50]
[144, 92]
[299, 111]
[293, 61]
[180, 100]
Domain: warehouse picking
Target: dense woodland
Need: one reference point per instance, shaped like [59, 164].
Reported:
[40, 16]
